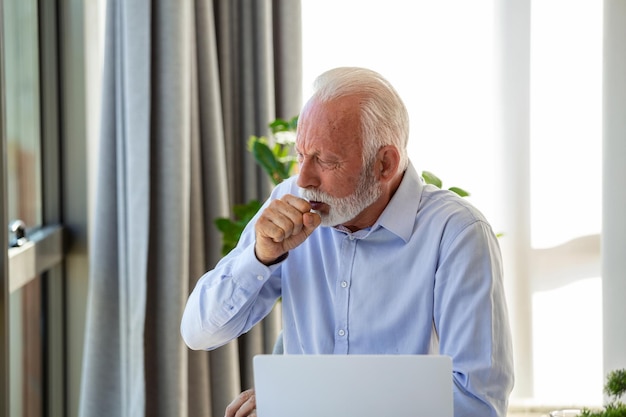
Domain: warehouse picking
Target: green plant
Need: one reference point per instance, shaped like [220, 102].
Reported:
[430, 178]
[232, 228]
[615, 387]
[275, 155]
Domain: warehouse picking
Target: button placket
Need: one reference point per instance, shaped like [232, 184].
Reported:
[342, 299]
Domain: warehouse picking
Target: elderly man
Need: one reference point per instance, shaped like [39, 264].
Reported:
[367, 258]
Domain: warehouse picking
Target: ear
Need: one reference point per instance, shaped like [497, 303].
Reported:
[387, 163]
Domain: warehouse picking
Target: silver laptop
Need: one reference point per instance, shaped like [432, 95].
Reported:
[353, 385]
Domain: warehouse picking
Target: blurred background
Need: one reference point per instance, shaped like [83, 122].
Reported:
[124, 131]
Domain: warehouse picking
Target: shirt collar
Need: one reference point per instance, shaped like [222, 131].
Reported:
[401, 211]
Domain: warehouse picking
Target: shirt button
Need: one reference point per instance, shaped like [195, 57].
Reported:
[344, 284]
[341, 332]
[259, 277]
[351, 237]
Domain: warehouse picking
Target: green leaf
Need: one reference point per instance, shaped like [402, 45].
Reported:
[284, 172]
[293, 123]
[224, 225]
[282, 125]
[277, 150]
[290, 163]
[459, 191]
[431, 178]
[279, 125]
[231, 232]
[265, 157]
[247, 211]
[232, 228]
[615, 385]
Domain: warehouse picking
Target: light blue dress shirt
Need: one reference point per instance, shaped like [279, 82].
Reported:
[425, 278]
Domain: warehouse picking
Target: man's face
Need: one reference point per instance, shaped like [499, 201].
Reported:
[332, 176]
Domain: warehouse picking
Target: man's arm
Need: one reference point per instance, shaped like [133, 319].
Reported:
[242, 289]
[229, 300]
[471, 320]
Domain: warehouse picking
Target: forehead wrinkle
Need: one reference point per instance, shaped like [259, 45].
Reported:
[318, 150]
[320, 124]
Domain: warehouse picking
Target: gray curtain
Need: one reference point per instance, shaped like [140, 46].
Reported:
[185, 84]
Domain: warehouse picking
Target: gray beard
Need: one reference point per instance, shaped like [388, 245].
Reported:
[342, 210]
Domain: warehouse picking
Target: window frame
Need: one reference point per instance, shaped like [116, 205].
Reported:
[42, 256]
[4, 245]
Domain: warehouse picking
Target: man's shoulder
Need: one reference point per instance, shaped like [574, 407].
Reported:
[449, 205]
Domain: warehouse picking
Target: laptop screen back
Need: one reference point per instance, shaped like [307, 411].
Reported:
[353, 385]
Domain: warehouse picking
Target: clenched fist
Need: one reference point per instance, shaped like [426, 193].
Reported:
[282, 226]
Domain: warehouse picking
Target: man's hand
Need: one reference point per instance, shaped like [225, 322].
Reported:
[282, 226]
[244, 405]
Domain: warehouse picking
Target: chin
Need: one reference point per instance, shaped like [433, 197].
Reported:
[332, 221]
[327, 222]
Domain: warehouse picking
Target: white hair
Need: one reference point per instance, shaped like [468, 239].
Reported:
[385, 119]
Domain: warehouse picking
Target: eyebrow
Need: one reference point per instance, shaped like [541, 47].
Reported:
[326, 154]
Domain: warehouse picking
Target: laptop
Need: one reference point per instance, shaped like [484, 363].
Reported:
[353, 385]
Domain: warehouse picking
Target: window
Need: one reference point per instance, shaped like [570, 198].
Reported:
[566, 195]
[23, 140]
[33, 344]
[23, 122]
[441, 58]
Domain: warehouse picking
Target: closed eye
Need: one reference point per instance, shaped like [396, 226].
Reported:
[328, 165]
[323, 163]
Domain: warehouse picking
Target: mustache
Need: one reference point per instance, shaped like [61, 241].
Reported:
[311, 194]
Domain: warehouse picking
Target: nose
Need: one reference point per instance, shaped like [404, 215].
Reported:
[308, 176]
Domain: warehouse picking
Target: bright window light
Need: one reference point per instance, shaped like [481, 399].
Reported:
[440, 57]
